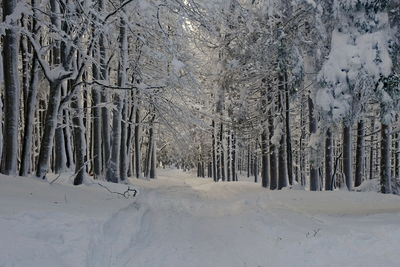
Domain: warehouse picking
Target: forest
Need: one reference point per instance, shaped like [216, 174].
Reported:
[301, 92]
[166, 133]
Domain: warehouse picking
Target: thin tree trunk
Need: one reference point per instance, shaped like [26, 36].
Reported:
[328, 160]
[214, 160]
[360, 154]
[386, 143]
[138, 152]
[272, 155]
[347, 156]
[289, 156]
[234, 175]
[371, 151]
[314, 175]
[222, 154]
[265, 161]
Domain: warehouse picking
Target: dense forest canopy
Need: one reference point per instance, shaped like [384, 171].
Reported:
[290, 92]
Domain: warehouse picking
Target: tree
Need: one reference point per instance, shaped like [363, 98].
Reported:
[12, 91]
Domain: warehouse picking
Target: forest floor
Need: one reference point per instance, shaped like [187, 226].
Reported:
[179, 220]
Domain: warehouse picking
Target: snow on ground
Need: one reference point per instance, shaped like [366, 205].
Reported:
[179, 220]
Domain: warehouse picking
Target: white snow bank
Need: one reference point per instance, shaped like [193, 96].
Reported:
[182, 221]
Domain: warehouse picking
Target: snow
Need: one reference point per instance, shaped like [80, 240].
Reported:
[178, 220]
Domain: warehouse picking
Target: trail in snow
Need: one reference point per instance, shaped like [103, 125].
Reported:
[182, 221]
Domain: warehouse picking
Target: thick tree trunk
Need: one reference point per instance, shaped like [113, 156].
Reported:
[360, 154]
[347, 156]
[29, 119]
[386, 143]
[79, 141]
[11, 94]
[60, 153]
[124, 143]
[122, 73]
[50, 125]
[113, 164]
[118, 147]
[96, 131]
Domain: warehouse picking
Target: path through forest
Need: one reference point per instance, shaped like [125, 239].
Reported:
[182, 221]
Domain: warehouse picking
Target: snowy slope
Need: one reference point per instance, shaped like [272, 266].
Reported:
[182, 221]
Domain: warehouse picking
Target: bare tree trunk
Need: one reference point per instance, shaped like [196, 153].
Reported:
[11, 94]
[30, 105]
[79, 140]
[222, 154]
[228, 167]
[105, 115]
[68, 140]
[51, 119]
[347, 156]
[371, 151]
[282, 165]
[60, 153]
[234, 176]
[248, 161]
[265, 162]
[118, 148]
[314, 175]
[214, 160]
[138, 152]
[328, 160]
[124, 143]
[302, 162]
[272, 154]
[289, 156]
[396, 154]
[360, 154]
[255, 168]
[113, 172]
[386, 143]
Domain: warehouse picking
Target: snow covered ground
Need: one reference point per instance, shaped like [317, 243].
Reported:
[183, 221]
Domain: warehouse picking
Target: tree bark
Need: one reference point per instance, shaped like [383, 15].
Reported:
[214, 160]
[289, 155]
[31, 101]
[79, 141]
[328, 160]
[347, 156]
[138, 152]
[11, 94]
[360, 154]
[371, 150]
[50, 125]
[386, 143]
[314, 175]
